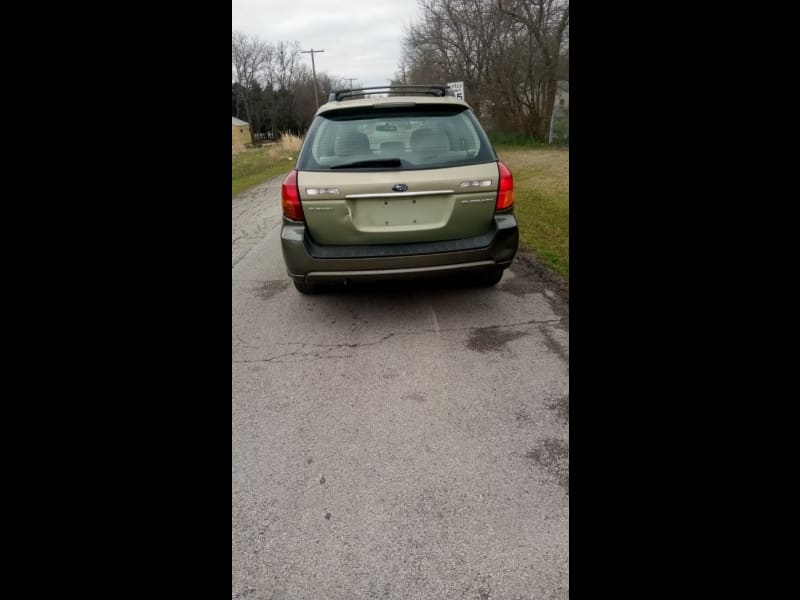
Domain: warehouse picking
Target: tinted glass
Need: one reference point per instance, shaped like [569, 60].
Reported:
[398, 138]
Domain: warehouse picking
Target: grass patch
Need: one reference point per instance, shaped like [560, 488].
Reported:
[254, 166]
[541, 201]
[501, 139]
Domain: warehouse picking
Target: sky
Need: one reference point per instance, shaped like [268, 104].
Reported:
[361, 38]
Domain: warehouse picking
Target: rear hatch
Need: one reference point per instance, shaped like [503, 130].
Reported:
[414, 173]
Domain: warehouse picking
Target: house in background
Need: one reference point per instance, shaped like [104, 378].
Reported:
[562, 95]
[240, 134]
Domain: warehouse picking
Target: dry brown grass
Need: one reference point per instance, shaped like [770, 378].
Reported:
[287, 146]
[256, 165]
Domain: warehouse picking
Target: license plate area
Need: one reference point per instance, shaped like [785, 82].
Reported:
[381, 214]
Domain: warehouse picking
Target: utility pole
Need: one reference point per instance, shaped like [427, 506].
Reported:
[314, 72]
[350, 79]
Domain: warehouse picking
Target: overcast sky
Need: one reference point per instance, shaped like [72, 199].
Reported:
[361, 39]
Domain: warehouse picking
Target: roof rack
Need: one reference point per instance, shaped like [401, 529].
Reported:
[392, 90]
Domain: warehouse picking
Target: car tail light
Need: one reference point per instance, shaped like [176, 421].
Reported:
[505, 189]
[290, 198]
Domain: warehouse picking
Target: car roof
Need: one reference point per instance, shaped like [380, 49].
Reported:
[390, 101]
[399, 95]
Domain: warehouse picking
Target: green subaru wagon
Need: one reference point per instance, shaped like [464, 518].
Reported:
[397, 182]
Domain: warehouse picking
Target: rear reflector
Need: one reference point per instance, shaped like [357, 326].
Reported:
[505, 189]
[290, 198]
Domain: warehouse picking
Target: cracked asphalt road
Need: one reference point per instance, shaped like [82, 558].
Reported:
[395, 441]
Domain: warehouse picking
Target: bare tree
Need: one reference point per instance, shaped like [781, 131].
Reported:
[546, 23]
[273, 86]
[283, 70]
[250, 58]
[287, 56]
[507, 53]
[458, 40]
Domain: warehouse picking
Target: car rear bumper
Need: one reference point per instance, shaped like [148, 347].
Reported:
[307, 261]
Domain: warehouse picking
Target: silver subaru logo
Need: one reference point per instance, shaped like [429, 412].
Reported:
[399, 187]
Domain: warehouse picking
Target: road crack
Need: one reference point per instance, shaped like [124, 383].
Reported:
[313, 351]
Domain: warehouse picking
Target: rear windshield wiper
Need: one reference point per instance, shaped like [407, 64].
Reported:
[376, 162]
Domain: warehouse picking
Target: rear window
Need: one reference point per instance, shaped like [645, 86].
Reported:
[395, 138]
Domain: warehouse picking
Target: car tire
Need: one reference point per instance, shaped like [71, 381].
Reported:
[305, 287]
